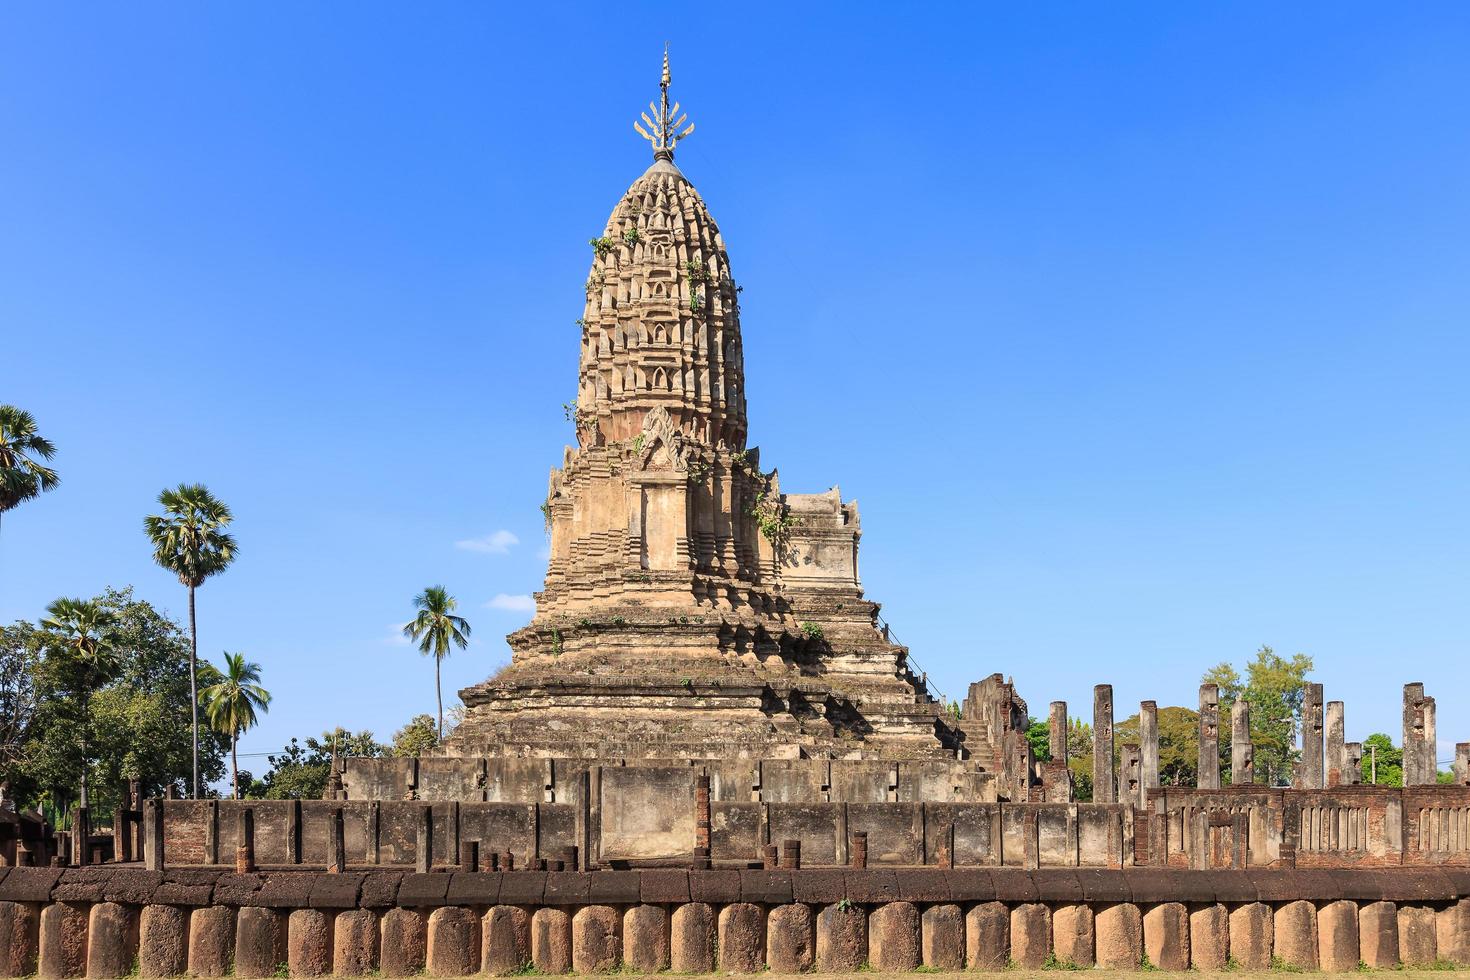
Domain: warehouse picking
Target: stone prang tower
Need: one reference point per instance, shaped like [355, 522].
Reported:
[691, 609]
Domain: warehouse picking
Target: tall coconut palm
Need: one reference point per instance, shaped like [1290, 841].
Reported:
[189, 539]
[231, 704]
[22, 475]
[80, 629]
[434, 629]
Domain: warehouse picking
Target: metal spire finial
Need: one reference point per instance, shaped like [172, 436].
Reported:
[663, 133]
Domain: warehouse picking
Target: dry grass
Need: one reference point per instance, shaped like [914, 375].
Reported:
[1436, 974]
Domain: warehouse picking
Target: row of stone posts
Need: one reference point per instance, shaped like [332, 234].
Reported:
[1327, 760]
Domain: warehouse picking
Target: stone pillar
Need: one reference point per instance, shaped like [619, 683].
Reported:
[1309, 772]
[1119, 935]
[987, 936]
[404, 940]
[1430, 747]
[842, 938]
[894, 943]
[309, 944]
[1462, 763]
[551, 940]
[1031, 933]
[692, 939]
[741, 938]
[423, 840]
[153, 835]
[1148, 747]
[1166, 934]
[1057, 731]
[1352, 775]
[112, 937]
[1104, 784]
[19, 937]
[1130, 775]
[1209, 737]
[355, 943]
[790, 938]
[260, 942]
[1419, 767]
[337, 843]
[597, 939]
[1338, 949]
[1378, 935]
[943, 937]
[1296, 932]
[645, 938]
[63, 940]
[245, 842]
[1252, 935]
[1336, 748]
[211, 940]
[1242, 752]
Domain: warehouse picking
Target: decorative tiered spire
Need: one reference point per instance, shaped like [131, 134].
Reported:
[663, 133]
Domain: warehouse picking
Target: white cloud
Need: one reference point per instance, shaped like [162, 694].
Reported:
[496, 543]
[512, 603]
[393, 636]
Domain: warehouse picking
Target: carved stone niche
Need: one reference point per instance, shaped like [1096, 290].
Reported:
[822, 545]
[659, 492]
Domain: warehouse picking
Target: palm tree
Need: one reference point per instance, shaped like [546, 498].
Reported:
[231, 704]
[22, 476]
[80, 629]
[434, 629]
[189, 540]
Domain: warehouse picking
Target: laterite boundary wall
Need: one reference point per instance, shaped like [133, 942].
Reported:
[111, 922]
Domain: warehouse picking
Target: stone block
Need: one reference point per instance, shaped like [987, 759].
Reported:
[692, 938]
[988, 936]
[1295, 929]
[260, 942]
[163, 941]
[1378, 935]
[1209, 936]
[597, 939]
[646, 938]
[1166, 936]
[551, 941]
[842, 938]
[112, 940]
[63, 940]
[942, 928]
[1030, 935]
[1452, 932]
[211, 941]
[791, 939]
[505, 940]
[1418, 946]
[893, 938]
[1252, 935]
[355, 943]
[403, 942]
[1337, 936]
[1118, 929]
[309, 943]
[454, 942]
[1072, 936]
[742, 938]
[20, 926]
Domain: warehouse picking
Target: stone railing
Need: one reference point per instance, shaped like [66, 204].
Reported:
[114, 922]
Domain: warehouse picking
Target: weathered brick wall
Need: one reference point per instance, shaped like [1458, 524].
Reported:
[114, 922]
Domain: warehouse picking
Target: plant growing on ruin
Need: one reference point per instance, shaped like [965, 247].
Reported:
[555, 642]
[696, 271]
[632, 236]
[619, 621]
[813, 631]
[638, 443]
[603, 246]
[695, 302]
[435, 629]
[546, 514]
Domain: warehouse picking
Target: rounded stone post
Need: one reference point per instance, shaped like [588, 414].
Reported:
[551, 941]
[692, 939]
[211, 941]
[1418, 945]
[454, 942]
[1030, 935]
[309, 943]
[987, 936]
[893, 938]
[597, 939]
[942, 928]
[1338, 949]
[355, 943]
[260, 942]
[1056, 731]
[163, 941]
[63, 940]
[1296, 934]
[112, 941]
[1378, 935]
[1119, 931]
[1252, 935]
[404, 942]
[842, 938]
[1209, 937]
[1452, 932]
[791, 942]
[20, 926]
[742, 939]
[505, 941]
[646, 938]
[1166, 936]
[1072, 935]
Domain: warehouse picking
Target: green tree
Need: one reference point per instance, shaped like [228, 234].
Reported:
[1079, 758]
[416, 738]
[435, 629]
[1274, 687]
[231, 704]
[81, 658]
[301, 772]
[189, 539]
[20, 655]
[22, 474]
[1178, 744]
[1383, 764]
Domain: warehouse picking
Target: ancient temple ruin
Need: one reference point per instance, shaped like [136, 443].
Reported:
[692, 609]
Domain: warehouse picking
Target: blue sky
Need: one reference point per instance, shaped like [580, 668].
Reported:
[1139, 332]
